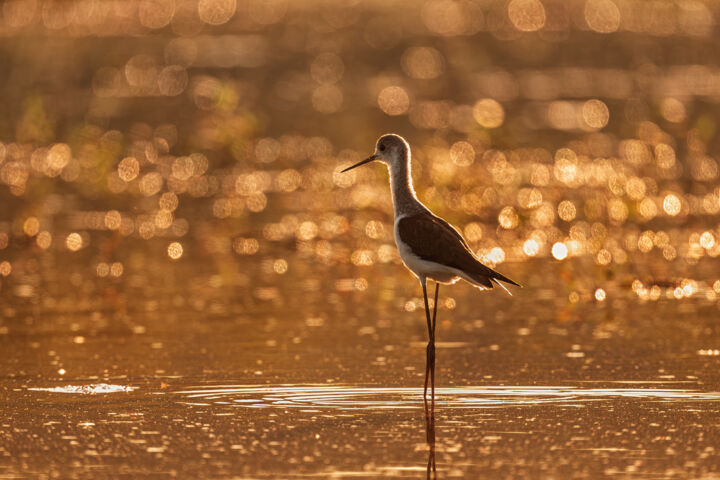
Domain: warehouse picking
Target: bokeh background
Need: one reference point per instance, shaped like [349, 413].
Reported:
[171, 207]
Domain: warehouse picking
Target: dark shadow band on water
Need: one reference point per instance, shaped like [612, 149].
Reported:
[353, 397]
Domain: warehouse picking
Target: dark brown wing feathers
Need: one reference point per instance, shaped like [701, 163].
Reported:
[434, 240]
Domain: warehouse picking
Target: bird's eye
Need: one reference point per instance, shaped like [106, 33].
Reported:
[381, 148]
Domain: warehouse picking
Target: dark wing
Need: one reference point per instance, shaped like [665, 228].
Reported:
[434, 240]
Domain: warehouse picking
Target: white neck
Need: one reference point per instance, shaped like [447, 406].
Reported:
[403, 194]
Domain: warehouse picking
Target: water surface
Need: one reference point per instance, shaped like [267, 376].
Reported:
[189, 288]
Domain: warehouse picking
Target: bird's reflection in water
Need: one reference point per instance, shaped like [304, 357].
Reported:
[430, 436]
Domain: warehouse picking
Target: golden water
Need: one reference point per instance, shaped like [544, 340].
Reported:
[189, 287]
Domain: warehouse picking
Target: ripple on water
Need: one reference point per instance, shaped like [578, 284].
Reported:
[348, 397]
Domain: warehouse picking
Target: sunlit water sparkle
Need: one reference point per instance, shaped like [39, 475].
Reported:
[91, 389]
[190, 288]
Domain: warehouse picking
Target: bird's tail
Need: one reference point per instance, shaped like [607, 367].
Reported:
[499, 277]
[488, 278]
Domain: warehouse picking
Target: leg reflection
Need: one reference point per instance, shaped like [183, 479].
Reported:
[430, 438]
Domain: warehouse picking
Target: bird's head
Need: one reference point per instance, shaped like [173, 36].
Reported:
[390, 149]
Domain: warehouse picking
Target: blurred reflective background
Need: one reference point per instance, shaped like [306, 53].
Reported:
[189, 287]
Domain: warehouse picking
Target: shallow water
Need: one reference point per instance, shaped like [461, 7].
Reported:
[249, 395]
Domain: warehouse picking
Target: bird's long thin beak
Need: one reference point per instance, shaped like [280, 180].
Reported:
[367, 160]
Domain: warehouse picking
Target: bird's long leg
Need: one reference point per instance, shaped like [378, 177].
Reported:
[430, 352]
[432, 366]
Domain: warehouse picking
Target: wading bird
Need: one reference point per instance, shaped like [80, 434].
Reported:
[429, 247]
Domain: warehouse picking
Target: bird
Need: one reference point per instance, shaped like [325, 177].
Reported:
[430, 247]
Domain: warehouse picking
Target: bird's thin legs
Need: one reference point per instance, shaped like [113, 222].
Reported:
[432, 365]
[431, 473]
[430, 355]
[430, 374]
[430, 352]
